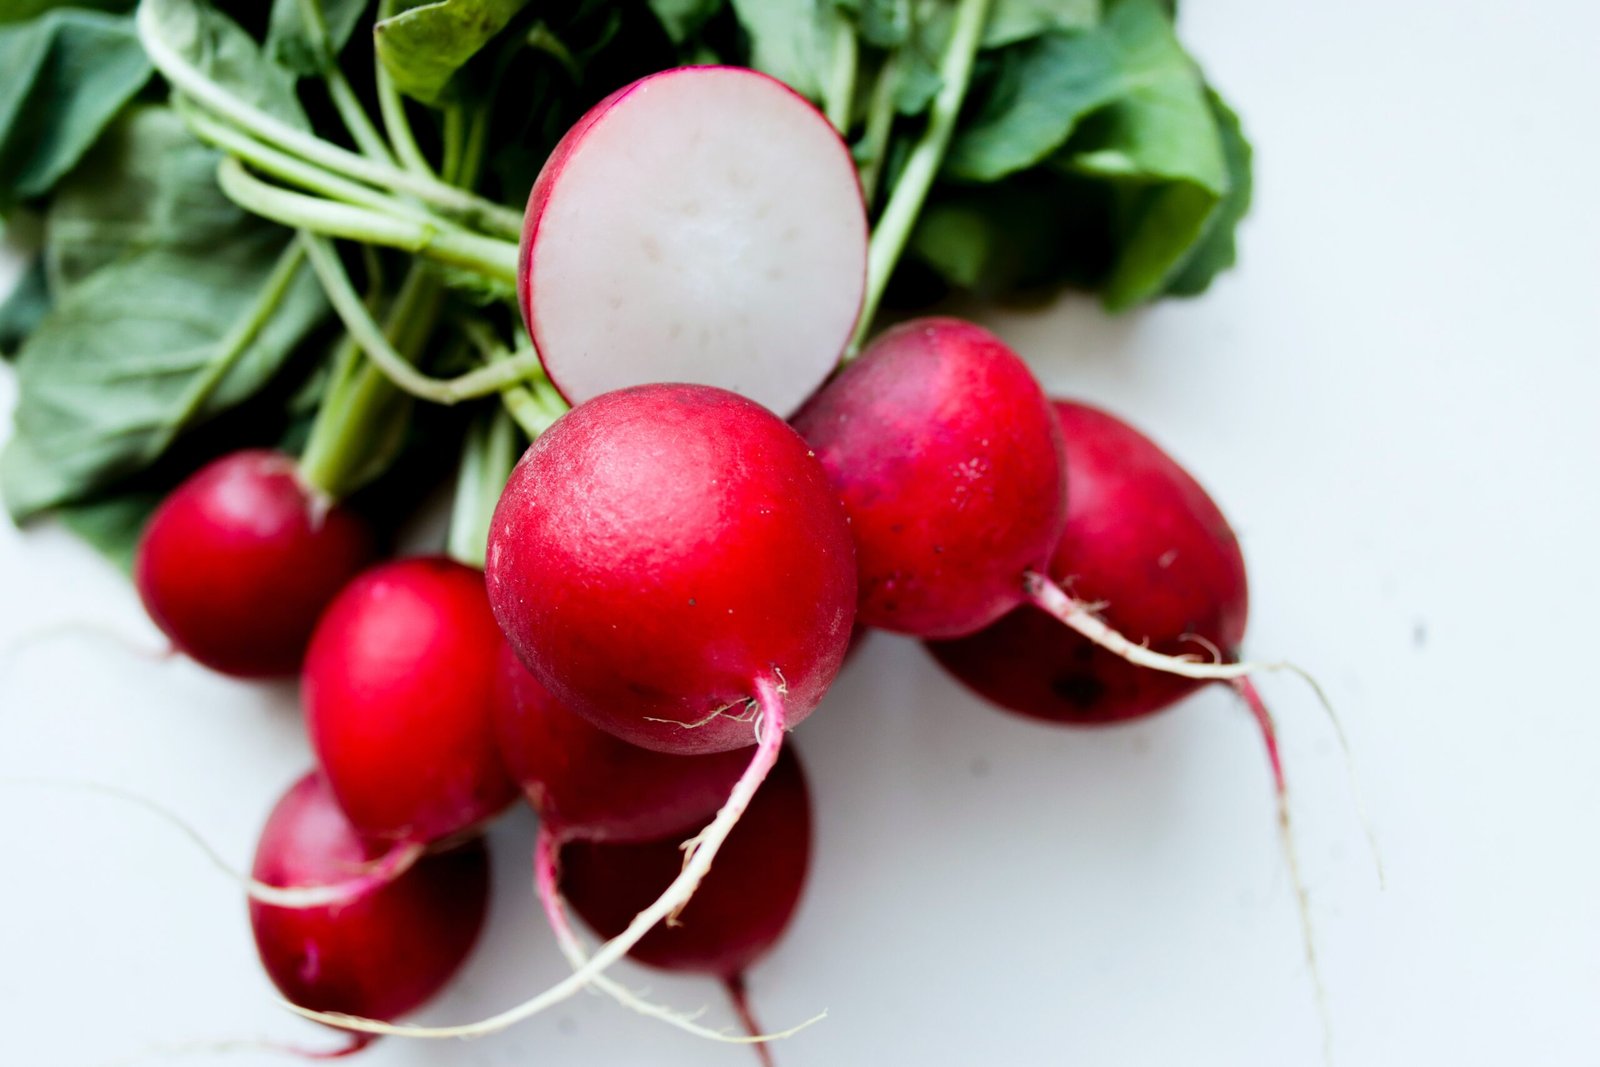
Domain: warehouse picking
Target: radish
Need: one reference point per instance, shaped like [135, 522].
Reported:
[703, 224]
[739, 911]
[590, 786]
[240, 559]
[587, 784]
[671, 563]
[952, 468]
[398, 690]
[381, 954]
[1146, 542]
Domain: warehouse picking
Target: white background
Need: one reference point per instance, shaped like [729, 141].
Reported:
[1395, 400]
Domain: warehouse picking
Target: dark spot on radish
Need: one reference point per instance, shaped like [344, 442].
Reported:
[1082, 691]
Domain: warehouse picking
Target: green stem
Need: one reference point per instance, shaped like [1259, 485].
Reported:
[239, 338]
[487, 456]
[455, 138]
[839, 94]
[354, 116]
[880, 123]
[491, 257]
[359, 410]
[188, 79]
[289, 168]
[899, 215]
[358, 321]
[535, 404]
[392, 105]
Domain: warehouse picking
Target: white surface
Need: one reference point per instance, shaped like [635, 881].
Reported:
[1394, 399]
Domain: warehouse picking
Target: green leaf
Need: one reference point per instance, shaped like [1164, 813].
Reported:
[66, 75]
[920, 80]
[147, 184]
[112, 525]
[683, 19]
[1011, 21]
[1035, 97]
[1216, 251]
[225, 53]
[789, 39]
[24, 307]
[423, 47]
[25, 10]
[140, 351]
[307, 35]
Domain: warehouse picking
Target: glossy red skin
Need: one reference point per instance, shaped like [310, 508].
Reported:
[739, 911]
[398, 691]
[239, 560]
[586, 783]
[383, 953]
[1146, 540]
[658, 550]
[950, 464]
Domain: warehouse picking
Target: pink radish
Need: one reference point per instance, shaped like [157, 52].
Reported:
[671, 563]
[1146, 542]
[739, 911]
[240, 559]
[398, 690]
[381, 954]
[951, 465]
[587, 784]
[703, 225]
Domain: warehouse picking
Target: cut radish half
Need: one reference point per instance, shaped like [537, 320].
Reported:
[701, 225]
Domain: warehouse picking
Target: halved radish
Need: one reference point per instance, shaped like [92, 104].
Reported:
[701, 225]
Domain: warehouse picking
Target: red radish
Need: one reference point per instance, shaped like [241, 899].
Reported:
[587, 784]
[736, 916]
[660, 551]
[1143, 539]
[381, 954]
[951, 465]
[1146, 542]
[671, 563]
[398, 690]
[703, 224]
[240, 559]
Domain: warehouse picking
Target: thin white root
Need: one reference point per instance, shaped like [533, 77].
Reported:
[384, 869]
[80, 628]
[545, 879]
[769, 727]
[1050, 597]
[1350, 773]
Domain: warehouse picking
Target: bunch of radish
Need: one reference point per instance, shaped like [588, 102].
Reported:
[673, 572]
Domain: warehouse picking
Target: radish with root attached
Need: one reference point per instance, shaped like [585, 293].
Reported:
[704, 225]
[381, 954]
[398, 690]
[737, 915]
[1147, 544]
[239, 560]
[671, 563]
[951, 465]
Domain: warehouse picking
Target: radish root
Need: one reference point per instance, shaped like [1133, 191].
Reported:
[739, 993]
[769, 727]
[379, 872]
[1269, 736]
[546, 879]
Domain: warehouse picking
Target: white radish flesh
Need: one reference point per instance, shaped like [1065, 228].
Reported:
[702, 225]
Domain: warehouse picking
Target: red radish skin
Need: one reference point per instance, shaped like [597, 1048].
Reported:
[380, 955]
[950, 464]
[398, 690]
[658, 550]
[1144, 540]
[670, 562]
[239, 560]
[1146, 544]
[739, 911]
[736, 917]
[703, 224]
[585, 783]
